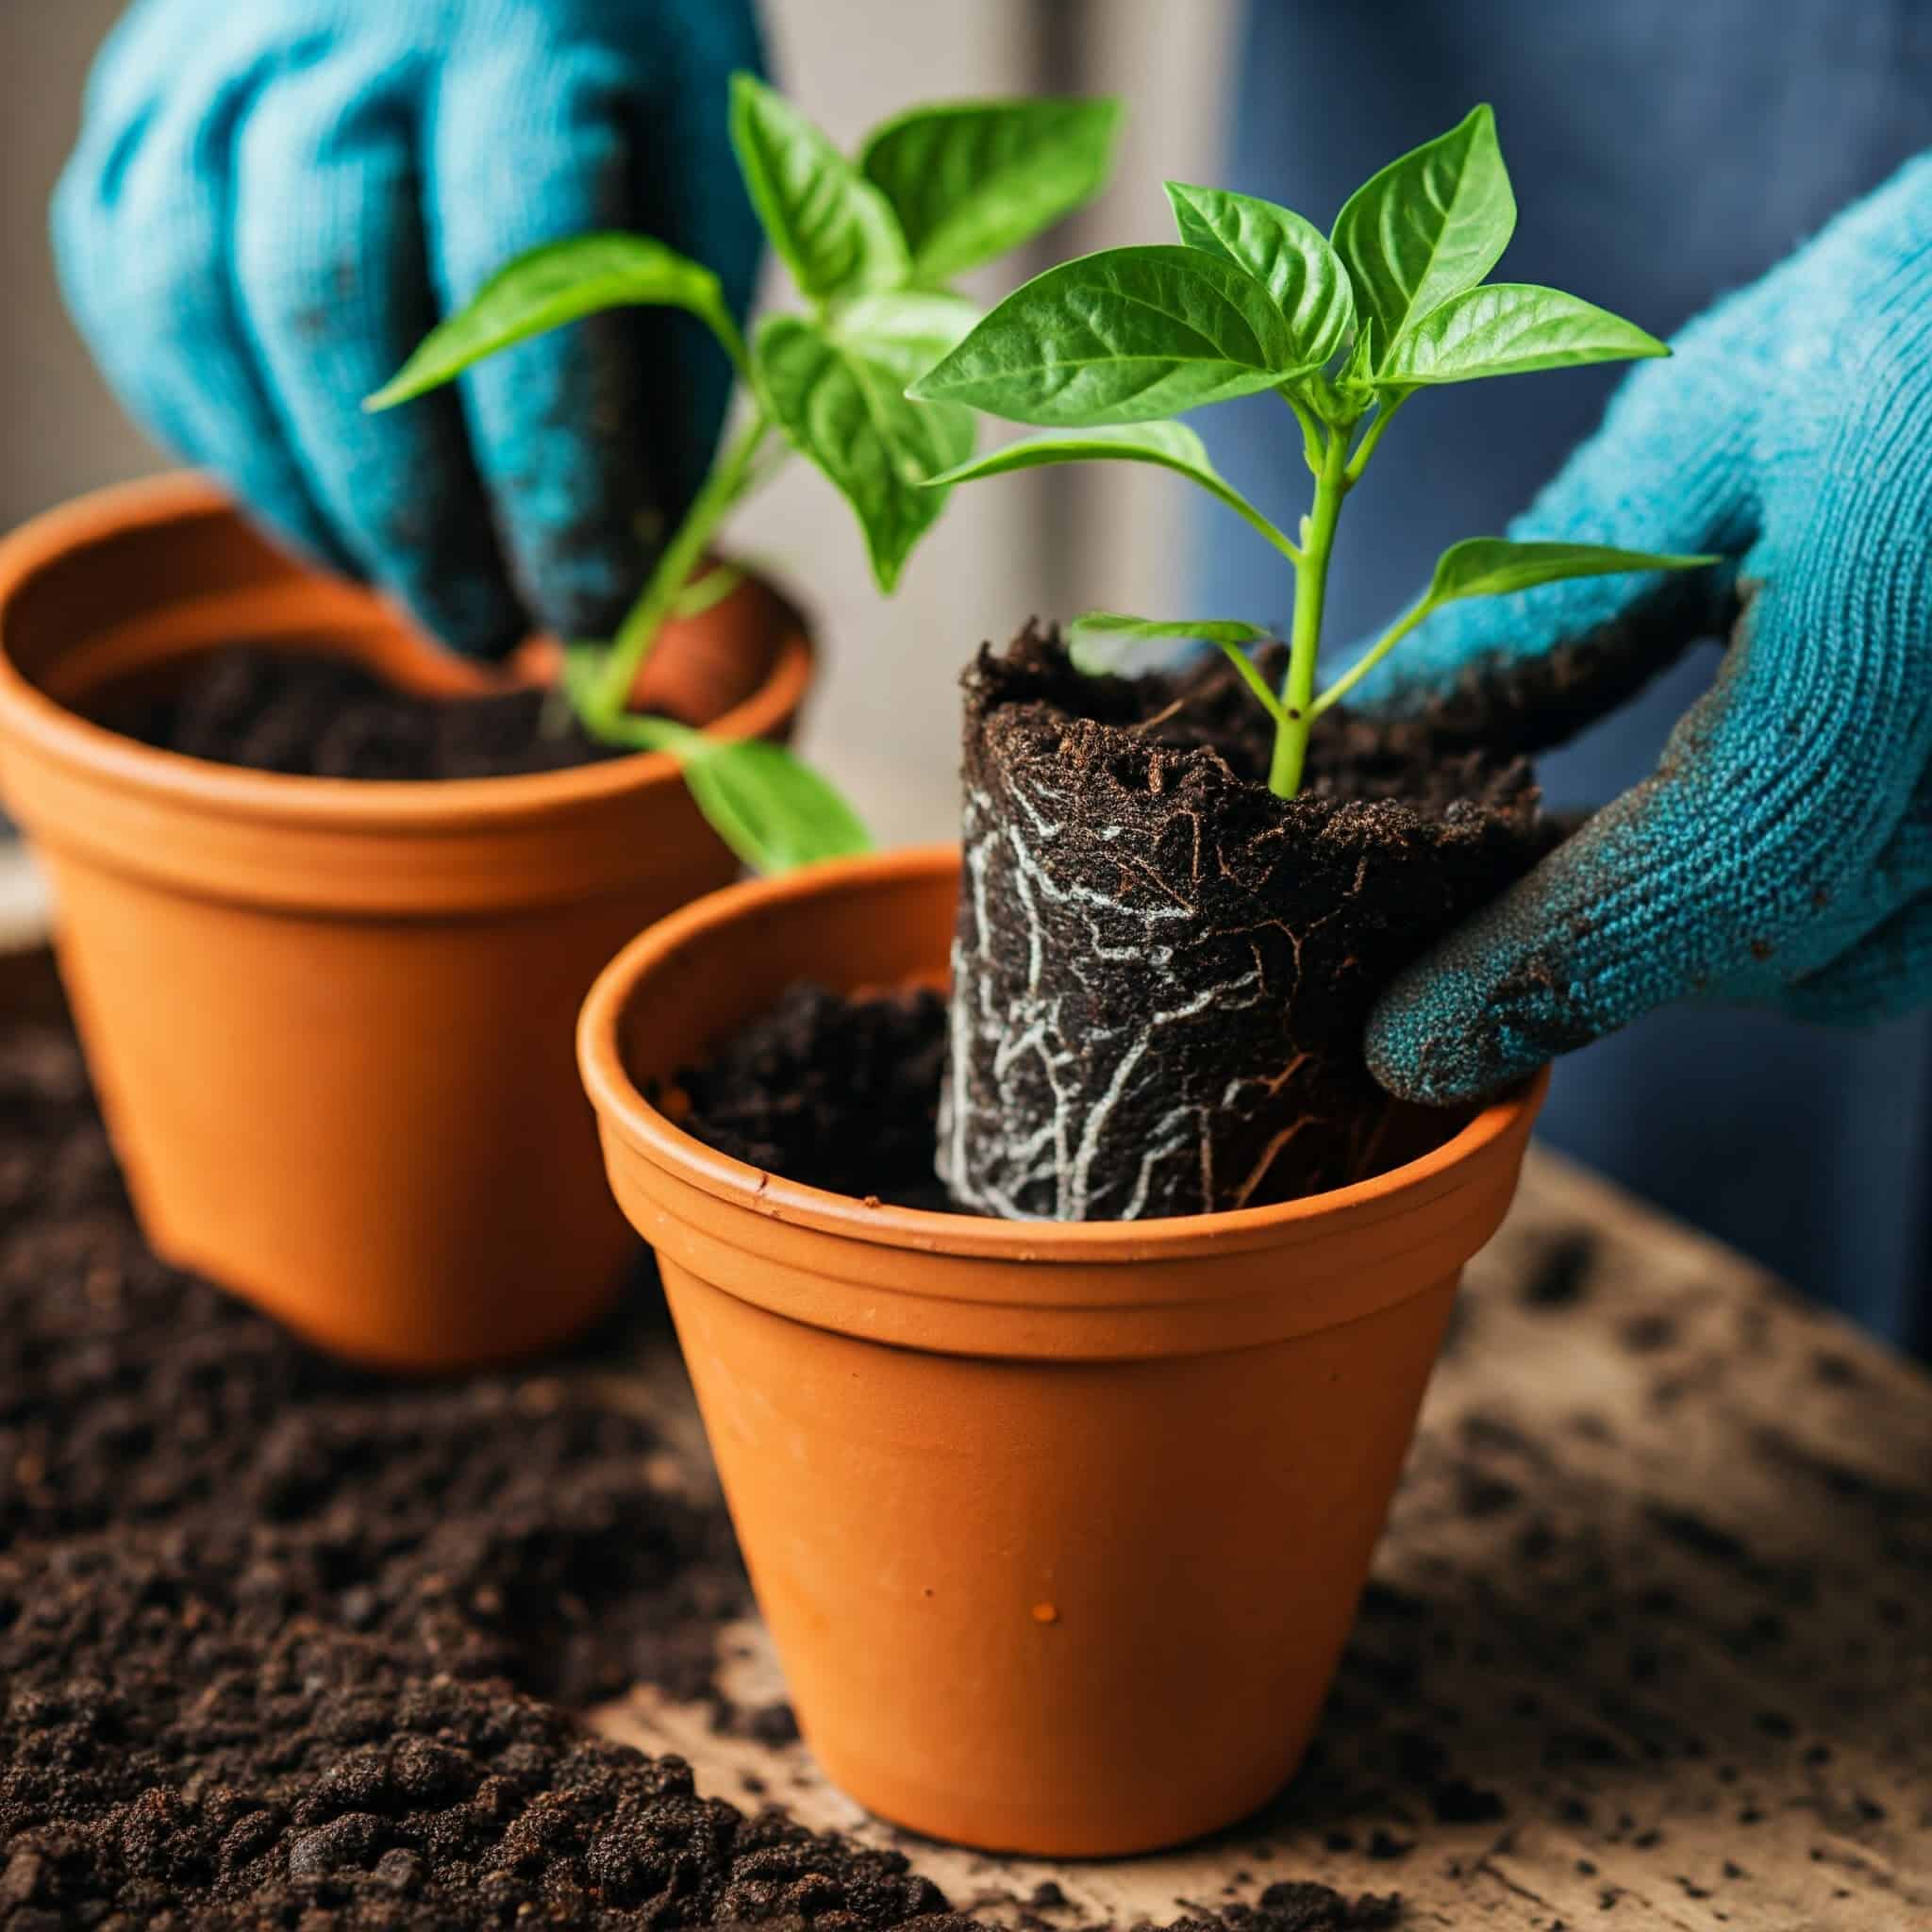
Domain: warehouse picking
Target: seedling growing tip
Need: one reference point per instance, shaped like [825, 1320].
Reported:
[1107, 349]
[871, 246]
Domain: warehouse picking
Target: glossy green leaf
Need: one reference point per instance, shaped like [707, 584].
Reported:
[835, 231]
[1494, 566]
[907, 329]
[1097, 627]
[1291, 258]
[848, 414]
[1099, 636]
[556, 283]
[971, 179]
[1171, 445]
[1427, 227]
[1125, 336]
[1357, 367]
[1509, 328]
[770, 806]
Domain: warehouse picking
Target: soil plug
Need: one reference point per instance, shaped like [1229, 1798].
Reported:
[1166, 956]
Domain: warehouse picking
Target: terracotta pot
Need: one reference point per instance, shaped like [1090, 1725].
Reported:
[1058, 1529]
[330, 1021]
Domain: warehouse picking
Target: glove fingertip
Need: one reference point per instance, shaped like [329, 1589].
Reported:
[1445, 1035]
[1415, 1053]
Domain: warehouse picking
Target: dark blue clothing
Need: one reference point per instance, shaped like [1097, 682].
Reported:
[1662, 154]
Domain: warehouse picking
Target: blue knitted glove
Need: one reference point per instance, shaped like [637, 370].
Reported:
[1782, 853]
[272, 202]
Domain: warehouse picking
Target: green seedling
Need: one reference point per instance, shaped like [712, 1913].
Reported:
[1345, 329]
[871, 246]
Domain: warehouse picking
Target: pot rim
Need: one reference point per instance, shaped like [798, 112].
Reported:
[278, 798]
[624, 1111]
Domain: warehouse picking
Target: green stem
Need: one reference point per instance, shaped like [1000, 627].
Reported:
[701, 595]
[730, 478]
[1373, 655]
[1311, 429]
[1305, 640]
[1384, 414]
[1252, 676]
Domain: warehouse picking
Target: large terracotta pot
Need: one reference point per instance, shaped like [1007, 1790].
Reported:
[330, 1021]
[1058, 1529]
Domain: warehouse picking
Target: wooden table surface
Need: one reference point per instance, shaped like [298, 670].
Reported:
[1648, 1644]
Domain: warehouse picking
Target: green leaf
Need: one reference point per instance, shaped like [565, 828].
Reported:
[1125, 336]
[907, 330]
[971, 179]
[771, 808]
[836, 232]
[1173, 445]
[1117, 626]
[1099, 636]
[1494, 566]
[848, 414]
[1508, 329]
[1291, 258]
[1358, 367]
[555, 283]
[1427, 227]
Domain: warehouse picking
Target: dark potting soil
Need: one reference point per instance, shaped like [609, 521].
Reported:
[282, 1645]
[316, 716]
[504, 1525]
[832, 1091]
[1162, 971]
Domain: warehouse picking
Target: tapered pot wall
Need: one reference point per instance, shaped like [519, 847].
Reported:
[330, 1022]
[1058, 1529]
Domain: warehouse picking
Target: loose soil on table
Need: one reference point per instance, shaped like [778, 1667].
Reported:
[315, 716]
[282, 1645]
[1162, 971]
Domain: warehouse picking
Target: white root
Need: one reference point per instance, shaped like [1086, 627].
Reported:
[1075, 1091]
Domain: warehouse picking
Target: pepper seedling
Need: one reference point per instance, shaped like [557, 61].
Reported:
[1345, 329]
[872, 244]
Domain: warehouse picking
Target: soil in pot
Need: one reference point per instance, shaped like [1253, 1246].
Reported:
[314, 715]
[840, 1091]
[313, 712]
[1162, 971]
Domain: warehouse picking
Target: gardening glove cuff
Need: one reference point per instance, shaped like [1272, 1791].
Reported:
[270, 204]
[1782, 853]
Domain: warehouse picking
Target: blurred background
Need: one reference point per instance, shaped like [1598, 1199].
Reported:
[886, 719]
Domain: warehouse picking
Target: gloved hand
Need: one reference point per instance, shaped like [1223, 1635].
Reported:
[1782, 853]
[272, 202]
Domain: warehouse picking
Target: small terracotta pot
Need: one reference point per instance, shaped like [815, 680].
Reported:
[1058, 1529]
[330, 1021]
